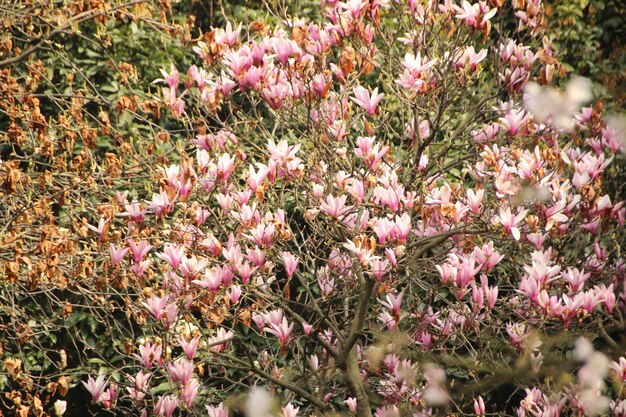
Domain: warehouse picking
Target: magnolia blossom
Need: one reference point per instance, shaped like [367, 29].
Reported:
[95, 387]
[369, 102]
[293, 175]
[510, 221]
[281, 330]
[291, 263]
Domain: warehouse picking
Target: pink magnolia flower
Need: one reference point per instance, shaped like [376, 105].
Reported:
[380, 267]
[388, 411]
[607, 296]
[354, 7]
[262, 235]
[487, 133]
[425, 340]
[536, 239]
[211, 280]
[190, 266]
[156, 306]
[290, 261]
[249, 79]
[282, 331]
[189, 347]
[256, 177]
[491, 293]
[320, 85]
[139, 384]
[148, 354]
[575, 278]
[235, 294]
[219, 411]
[139, 250]
[315, 362]
[274, 316]
[101, 228]
[134, 211]
[478, 298]
[468, 13]
[258, 320]
[402, 227]
[172, 254]
[212, 245]
[416, 65]
[517, 333]
[219, 342]
[199, 76]
[189, 392]
[325, 281]
[351, 403]
[174, 102]
[479, 406]
[487, 256]
[243, 269]
[335, 206]
[423, 162]
[290, 410]
[95, 387]
[109, 396]
[475, 15]
[555, 216]
[363, 250]
[181, 371]
[514, 120]
[591, 226]
[227, 36]
[166, 405]
[370, 153]
[140, 268]
[383, 228]
[389, 196]
[471, 58]
[117, 254]
[368, 102]
[225, 166]
[239, 61]
[391, 255]
[256, 256]
[284, 49]
[388, 321]
[282, 153]
[447, 271]
[172, 78]
[393, 303]
[466, 270]
[619, 368]
[509, 221]
[172, 173]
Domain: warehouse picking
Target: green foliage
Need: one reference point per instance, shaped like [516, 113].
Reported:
[588, 36]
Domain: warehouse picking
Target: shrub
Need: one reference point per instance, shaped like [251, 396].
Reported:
[387, 213]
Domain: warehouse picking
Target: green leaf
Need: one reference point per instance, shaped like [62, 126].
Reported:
[164, 387]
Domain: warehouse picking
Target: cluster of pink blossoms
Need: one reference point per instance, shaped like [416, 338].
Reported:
[300, 238]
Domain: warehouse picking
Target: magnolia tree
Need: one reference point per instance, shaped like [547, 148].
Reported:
[385, 212]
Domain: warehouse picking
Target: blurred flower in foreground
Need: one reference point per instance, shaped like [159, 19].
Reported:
[59, 407]
[258, 403]
[549, 104]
